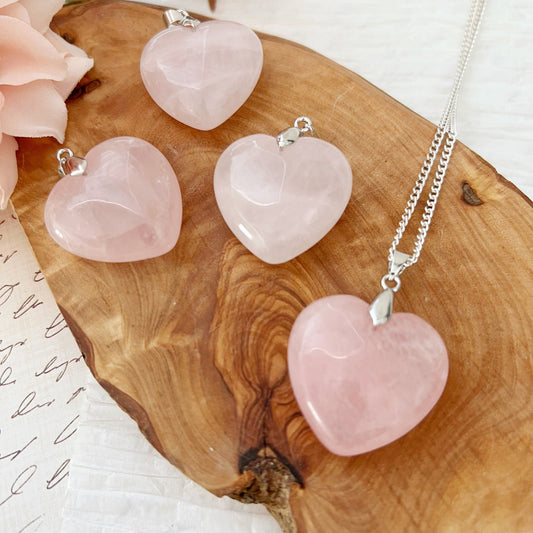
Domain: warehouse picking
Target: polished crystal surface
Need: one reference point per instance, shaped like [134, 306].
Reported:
[362, 386]
[126, 207]
[202, 76]
[280, 202]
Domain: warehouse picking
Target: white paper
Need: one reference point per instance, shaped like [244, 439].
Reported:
[120, 483]
[42, 385]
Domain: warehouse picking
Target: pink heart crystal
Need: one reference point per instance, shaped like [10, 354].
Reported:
[362, 386]
[280, 202]
[126, 207]
[202, 76]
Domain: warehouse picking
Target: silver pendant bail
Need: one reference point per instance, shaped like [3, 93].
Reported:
[381, 308]
[291, 135]
[179, 17]
[69, 164]
[398, 263]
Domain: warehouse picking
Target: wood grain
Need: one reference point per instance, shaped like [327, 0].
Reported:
[193, 344]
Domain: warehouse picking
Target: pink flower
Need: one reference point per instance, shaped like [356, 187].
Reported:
[38, 70]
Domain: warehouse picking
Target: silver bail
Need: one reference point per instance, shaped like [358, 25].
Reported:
[69, 164]
[292, 134]
[288, 137]
[398, 263]
[179, 17]
[381, 308]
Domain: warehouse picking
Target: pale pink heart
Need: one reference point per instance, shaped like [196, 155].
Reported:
[126, 207]
[362, 386]
[280, 202]
[202, 76]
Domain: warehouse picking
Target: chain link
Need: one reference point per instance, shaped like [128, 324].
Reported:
[445, 133]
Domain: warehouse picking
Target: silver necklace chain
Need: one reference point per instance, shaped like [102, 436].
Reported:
[446, 134]
[443, 142]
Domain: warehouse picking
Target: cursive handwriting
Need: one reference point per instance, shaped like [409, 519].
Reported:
[7, 257]
[6, 291]
[31, 523]
[57, 326]
[20, 482]
[75, 394]
[16, 453]
[62, 437]
[5, 375]
[38, 276]
[31, 302]
[62, 367]
[39, 384]
[6, 352]
[26, 407]
[59, 475]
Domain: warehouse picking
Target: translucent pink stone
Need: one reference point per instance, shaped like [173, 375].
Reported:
[202, 76]
[279, 203]
[126, 207]
[362, 386]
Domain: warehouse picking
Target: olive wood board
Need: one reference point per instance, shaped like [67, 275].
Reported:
[193, 344]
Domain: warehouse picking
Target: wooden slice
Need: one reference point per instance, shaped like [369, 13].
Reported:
[193, 344]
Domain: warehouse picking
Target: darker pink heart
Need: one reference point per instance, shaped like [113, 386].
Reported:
[362, 386]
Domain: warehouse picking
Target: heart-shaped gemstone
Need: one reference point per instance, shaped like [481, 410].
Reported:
[202, 76]
[362, 386]
[280, 202]
[125, 207]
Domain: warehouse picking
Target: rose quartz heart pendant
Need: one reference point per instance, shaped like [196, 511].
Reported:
[279, 202]
[362, 386]
[200, 74]
[123, 204]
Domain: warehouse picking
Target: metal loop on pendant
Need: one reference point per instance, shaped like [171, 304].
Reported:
[388, 278]
[63, 154]
[308, 125]
[69, 164]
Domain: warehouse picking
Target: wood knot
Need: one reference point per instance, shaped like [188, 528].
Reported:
[68, 37]
[268, 481]
[83, 88]
[469, 195]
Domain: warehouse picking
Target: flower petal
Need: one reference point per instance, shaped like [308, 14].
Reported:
[41, 12]
[77, 63]
[17, 11]
[77, 67]
[27, 55]
[8, 168]
[35, 109]
[6, 2]
[63, 46]
[2, 100]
